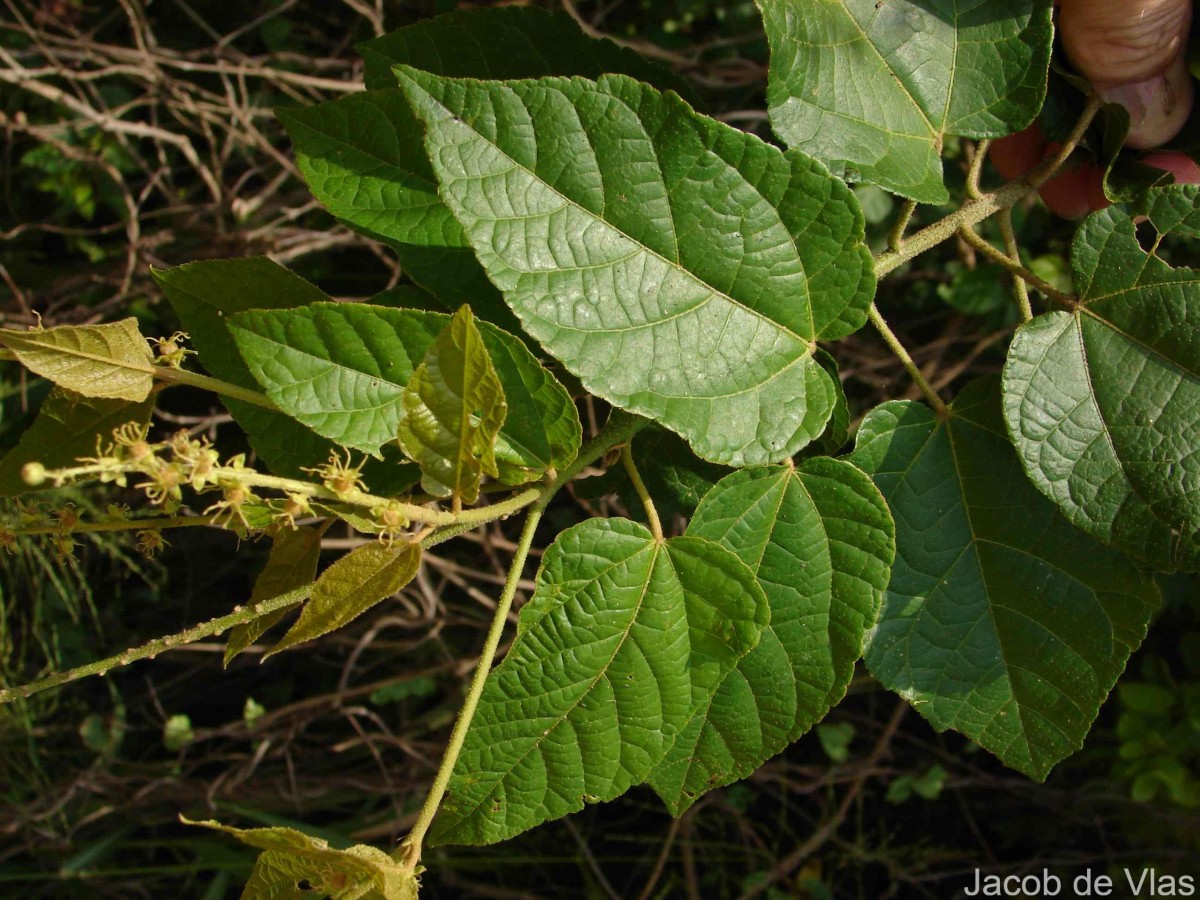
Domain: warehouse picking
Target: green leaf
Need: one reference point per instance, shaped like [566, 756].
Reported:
[507, 42]
[111, 361]
[291, 564]
[453, 409]
[875, 88]
[363, 158]
[350, 587]
[1001, 621]
[342, 369]
[837, 431]
[682, 269]
[623, 636]
[203, 295]
[1102, 401]
[294, 866]
[820, 540]
[67, 428]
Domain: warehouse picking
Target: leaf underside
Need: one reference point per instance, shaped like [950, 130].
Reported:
[111, 361]
[622, 638]
[873, 89]
[1001, 621]
[1103, 403]
[680, 268]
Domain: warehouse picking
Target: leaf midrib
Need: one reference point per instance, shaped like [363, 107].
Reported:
[714, 293]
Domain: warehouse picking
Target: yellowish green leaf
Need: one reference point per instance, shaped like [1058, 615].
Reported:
[108, 361]
[351, 586]
[292, 564]
[453, 409]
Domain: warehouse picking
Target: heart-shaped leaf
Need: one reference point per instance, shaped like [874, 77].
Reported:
[682, 269]
[874, 88]
[1103, 402]
[820, 539]
[622, 638]
[1002, 620]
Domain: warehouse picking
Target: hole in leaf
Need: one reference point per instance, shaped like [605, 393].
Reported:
[1147, 235]
[304, 885]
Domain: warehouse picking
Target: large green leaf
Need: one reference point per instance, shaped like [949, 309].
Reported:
[362, 154]
[351, 586]
[821, 541]
[341, 369]
[111, 361]
[67, 428]
[623, 637]
[1002, 620]
[875, 88]
[1103, 402]
[292, 564]
[682, 269]
[453, 408]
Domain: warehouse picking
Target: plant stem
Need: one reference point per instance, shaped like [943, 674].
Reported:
[896, 235]
[172, 375]
[1020, 291]
[620, 428]
[977, 158]
[150, 650]
[640, 486]
[1019, 271]
[155, 524]
[975, 211]
[897, 348]
[410, 850]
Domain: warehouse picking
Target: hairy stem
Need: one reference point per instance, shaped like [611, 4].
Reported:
[1017, 269]
[906, 360]
[896, 235]
[410, 851]
[975, 211]
[1020, 291]
[155, 524]
[640, 486]
[976, 168]
[620, 428]
[172, 375]
[149, 650]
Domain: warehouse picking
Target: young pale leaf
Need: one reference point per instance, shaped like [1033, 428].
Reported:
[291, 564]
[1002, 620]
[453, 409]
[294, 866]
[682, 269]
[67, 428]
[821, 541]
[875, 88]
[110, 361]
[351, 586]
[342, 368]
[1103, 401]
[623, 637]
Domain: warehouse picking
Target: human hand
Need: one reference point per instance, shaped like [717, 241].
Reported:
[1135, 53]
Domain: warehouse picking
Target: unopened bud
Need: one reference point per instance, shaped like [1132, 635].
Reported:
[33, 474]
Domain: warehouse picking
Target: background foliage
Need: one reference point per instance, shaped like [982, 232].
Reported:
[143, 135]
